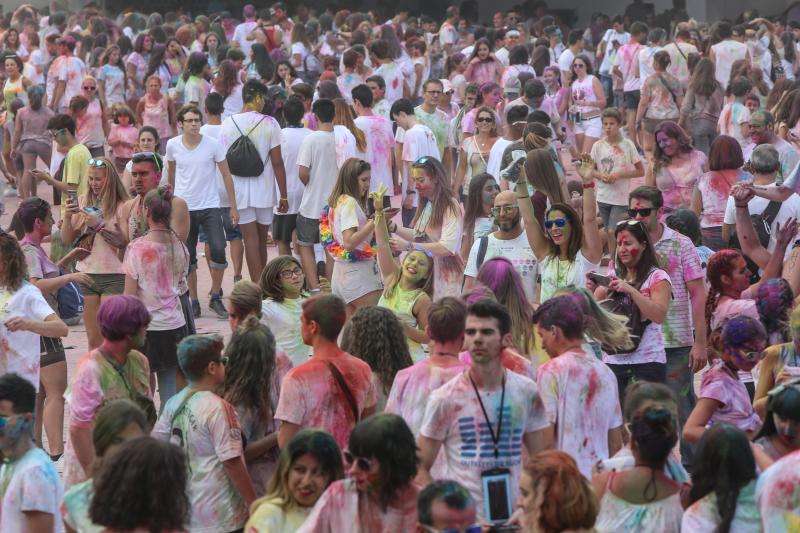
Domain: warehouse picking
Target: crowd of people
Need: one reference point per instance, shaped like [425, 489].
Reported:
[522, 275]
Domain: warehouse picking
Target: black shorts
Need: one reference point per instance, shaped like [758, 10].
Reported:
[283, 226]
[161, 348]
[632, 100]
[307, 231]
[51, 351]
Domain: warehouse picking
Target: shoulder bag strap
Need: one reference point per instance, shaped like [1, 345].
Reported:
[180, 409]
[237, 126]
[671, 92]
[678, 46]
[345, 389]
[484, 244]
[769, 214]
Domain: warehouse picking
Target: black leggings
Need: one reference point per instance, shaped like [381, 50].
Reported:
[627, 374]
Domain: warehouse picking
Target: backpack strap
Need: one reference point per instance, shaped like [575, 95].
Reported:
[482, 247]
[256, 125]
[345, 389]
[180, 408]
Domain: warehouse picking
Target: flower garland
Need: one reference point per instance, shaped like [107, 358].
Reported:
[337, 251]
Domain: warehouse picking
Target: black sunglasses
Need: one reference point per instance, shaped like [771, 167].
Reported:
[643, 211]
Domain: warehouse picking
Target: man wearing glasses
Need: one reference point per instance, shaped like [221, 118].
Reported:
[509, 241]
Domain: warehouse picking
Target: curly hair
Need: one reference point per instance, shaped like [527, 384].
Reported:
[388, 439]
[270, 280]
[722, 263]
[375, 335]
[142, 485]
[774, 303]
[14, 269]
[250, 368]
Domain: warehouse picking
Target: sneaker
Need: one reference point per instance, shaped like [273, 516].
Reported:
[218, 307]
[11, 192]
[196, 308]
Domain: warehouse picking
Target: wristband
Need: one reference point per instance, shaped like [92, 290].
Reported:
[743, 206]
[589, 185]
[411, 192]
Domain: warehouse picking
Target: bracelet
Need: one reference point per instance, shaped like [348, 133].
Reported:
[284, 199]
[589, 185]
[743, 206]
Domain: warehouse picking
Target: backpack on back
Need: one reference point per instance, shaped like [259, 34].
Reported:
[242, 156]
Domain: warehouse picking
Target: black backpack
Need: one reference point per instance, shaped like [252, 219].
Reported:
[243, 157]
[622, 304]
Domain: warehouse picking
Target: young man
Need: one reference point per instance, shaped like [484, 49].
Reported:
[233, 234]
[70, 72]
[31, 490]
[417, 141]
[684, 329]
[380, 105]
[316, 169]
[485, 406]
[349, 78]
[554, 37]
[617, 167]
[448, 34]
[446, 506]
[679, 50]
[255, 196]
[509, 241]
[380, 140]
[243, 30]
[429, 115]
[726, 52]
[515, 120]
[206, 427]
[284, 224]
[578, 390]
[574, 48]
[192, 163]
[331, 391]
[627, 68]
[391, 72]
[605, 54]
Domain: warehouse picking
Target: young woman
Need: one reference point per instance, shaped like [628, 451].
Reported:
[227, 84]
[676, 166]
[702, 106]
[661, 100]
[437, 226]
[489, 95]
[117, 422]
[545, 184]
[780, 435]
[11, 43]
[344, 120]
[478, 221]
[138, 61]
[157, 110]
[639, 281]
[112, 79]
[503, 279]
[158, 66]
[642, 498]
[723, 495]
[474, 151]
[262, 67]
[555, 97]
[285, 75]
[482, 65]
[147, 140]
[567, 247]
[16, 85]
[781, 361]
[307, 466]
[252, 383]
[91, 124]
[379, 493]
[193, 84]
[301, 48]
[31, 138]
[211, 47]
[518, 62]
[454, 71]
[95, 221]
[345, 233]
[554, 496]
[587, 99]
[156, 267]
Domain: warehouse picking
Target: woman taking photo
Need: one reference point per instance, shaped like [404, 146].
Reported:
[31, 138]
[345, 233]
[474, 152]
[437, 226]
[482, 65]
[702, 105]
[478, 221]
[587, 99]
[661, 100]
[711, 192]
[379, 493]
[676, 166]
[640, 283]
[407, 286]
[95, 223]
[568, 247]
[156, 266]
[307, 466]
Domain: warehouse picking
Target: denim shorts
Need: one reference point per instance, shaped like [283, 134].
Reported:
[307, 231]
[612, 214]
[232, 233]
[210, 221]
[632, 100]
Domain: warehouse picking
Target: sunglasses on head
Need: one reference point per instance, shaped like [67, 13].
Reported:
[629, 223]
[362, 463]
[98, 163]
[558, 222]
[147, 156]
[643, 211]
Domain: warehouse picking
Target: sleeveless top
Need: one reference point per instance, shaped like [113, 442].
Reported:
[584, 90]
[156, 114]
[788, 357]
[402, 302]
[620, 516]
[13, 90]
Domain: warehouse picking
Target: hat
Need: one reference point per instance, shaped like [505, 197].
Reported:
[512, 86]
[447, 87]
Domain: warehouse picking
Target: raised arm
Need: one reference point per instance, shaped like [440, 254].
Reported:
[592, 244]
[386, 260]
[536, 236]
[748, 240]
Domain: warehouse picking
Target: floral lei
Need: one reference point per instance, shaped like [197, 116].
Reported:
[337, 251]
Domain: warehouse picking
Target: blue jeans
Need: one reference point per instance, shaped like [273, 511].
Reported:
[211, 222]
[680, 380]
[608, 89]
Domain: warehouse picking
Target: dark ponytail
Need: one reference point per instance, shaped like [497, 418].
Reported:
[159, 203]
[654, 431]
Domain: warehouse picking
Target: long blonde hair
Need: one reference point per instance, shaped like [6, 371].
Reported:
[344, 117]
[113, 193]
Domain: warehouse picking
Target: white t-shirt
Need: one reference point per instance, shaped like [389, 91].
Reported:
[233, 103]
[789, 209]
[496, 156]
[300, 48]
[318, 154]
[611, 35]
[283, 318]
[565, 60]
[418, 141]
[454, 417]
[517, 250]
[392, 74]
[380, 146]
[196, 171]
[240, 34]
[264, 131]
[19, 350]
[290, 147]
[581, 397]
[33, 486]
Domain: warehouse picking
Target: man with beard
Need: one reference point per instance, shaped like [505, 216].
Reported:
[509, 241]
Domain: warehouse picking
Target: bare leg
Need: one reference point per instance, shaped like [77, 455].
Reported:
[192, 281]
[309, 266]
[263, 236]
[252, 249]
[284, 248]
[54, 382]
[91, 303]
[371, 298]
[579, 143]
[216, 279]
[237, 256]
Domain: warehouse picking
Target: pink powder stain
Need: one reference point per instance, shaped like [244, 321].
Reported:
[594, 385]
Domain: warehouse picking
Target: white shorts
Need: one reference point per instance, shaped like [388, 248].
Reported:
[262, 215]
[352, 280]
[590, 128]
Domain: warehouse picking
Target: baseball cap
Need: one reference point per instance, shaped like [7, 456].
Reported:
[512, 86]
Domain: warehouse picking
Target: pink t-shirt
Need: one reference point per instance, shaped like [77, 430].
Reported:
[122, 139]
[89, 128]
[677, 181]
[715, 187]
[719, 384]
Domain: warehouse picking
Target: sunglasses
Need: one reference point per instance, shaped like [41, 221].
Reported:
[644, 211]
[222, 360]
[504, 210]
[362, 463]
[487, 120]
[558, 222]
[578, 65]
[97, 163]
[630, 223]
[89, 88]
[424, 160]
[147, 156]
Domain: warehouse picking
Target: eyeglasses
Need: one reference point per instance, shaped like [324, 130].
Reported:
[362, 463]
[222, 360]
[89, 88]
[474, 528]
[56, 133]
[289, 274]
[558, 222]
[487, 120]
[98, 163]
[147, 156]
[643, 211]
[504, 210]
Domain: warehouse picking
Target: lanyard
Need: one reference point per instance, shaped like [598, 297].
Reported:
[495, 437]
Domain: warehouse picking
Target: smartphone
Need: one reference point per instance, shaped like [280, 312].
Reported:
[496, 495]
[72, 196]
[387, 203]
[599, 279]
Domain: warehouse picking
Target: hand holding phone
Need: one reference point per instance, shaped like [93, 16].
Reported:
[599, 279]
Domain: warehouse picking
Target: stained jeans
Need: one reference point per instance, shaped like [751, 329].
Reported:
[681, 381]
[211, 222]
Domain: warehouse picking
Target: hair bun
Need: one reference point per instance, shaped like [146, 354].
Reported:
[165, 191]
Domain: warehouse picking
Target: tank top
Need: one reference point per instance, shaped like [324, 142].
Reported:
[584, 90]
[401, 302]
[155, 114]
[13, 90]
[617, 514]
